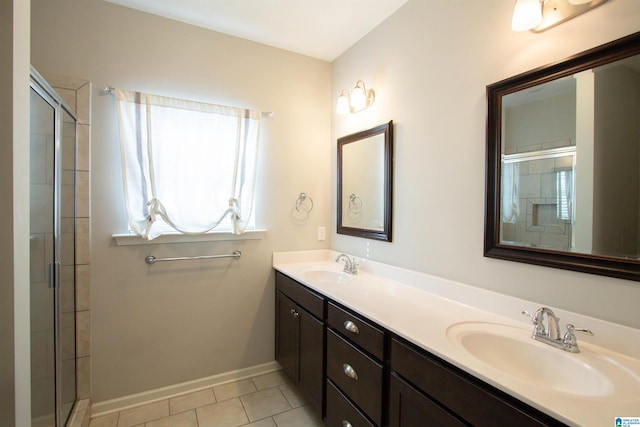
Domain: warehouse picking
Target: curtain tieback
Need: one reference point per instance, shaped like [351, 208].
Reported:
[155, 208]
[233, 207]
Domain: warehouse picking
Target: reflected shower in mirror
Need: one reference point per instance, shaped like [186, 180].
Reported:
[364, 183]
[563, 163]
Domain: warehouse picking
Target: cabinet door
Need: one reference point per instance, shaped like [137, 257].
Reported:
[287, 332]
[410, 408]
[311, 356]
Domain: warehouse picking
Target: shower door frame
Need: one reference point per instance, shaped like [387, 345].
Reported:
[49, 95]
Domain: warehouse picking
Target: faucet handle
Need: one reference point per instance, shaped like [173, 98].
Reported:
[526, 313]
[569, 341]
[570, 327]
[536, 319]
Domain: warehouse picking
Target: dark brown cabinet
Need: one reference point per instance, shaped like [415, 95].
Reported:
[300, 338]
[439, 390]
[408, 407]
[358, 374]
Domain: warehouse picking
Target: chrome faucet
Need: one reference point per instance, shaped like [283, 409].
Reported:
[350, 265]
[551, 334]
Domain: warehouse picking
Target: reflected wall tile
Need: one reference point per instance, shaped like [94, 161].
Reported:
[41, 307]
[83, 149]
[37, 264]
[64, 82]
[67, 336]
[68, 150]
[83, 366]
[82, 194]
[67, 289]
[41, 366]
[68, 97]
[42, 398]
[67, 225]
[41, 218]
[83, 337]
[66, 249]
[83, 103]
[38, 159]
[82, 241]
[82, 287]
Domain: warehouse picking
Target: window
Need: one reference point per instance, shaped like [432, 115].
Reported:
[187, 166]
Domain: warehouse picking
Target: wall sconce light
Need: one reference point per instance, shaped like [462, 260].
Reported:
[359, 99]
[538, 15]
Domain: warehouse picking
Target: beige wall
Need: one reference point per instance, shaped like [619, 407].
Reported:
[429, 65]
[170, 323]
[14, 216]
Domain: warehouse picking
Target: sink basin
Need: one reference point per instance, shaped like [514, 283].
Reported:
[513, 351]
[327, 276]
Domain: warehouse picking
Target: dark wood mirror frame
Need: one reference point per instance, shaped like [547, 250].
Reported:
[611, 266]
[384, 234]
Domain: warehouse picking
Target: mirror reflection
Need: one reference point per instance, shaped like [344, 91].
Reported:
[563, 163]
[570, 176]
[364, 183]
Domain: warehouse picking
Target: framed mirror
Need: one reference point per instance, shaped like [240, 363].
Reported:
[563, 163]
[365, 173]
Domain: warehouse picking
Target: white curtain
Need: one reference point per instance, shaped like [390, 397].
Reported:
[510, 197]
[186, 164]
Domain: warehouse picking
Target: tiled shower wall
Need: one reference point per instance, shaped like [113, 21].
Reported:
[538, 194]
[76, 94]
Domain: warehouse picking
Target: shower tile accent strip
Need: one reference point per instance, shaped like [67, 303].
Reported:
[76, 94]
[268, 400]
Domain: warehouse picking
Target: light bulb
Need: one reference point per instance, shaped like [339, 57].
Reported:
[342, 107]
[527, 14]
[358, 98]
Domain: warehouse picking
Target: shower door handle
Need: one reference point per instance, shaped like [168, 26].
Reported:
[54, 274]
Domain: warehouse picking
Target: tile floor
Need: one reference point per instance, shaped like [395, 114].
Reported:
[268, 400]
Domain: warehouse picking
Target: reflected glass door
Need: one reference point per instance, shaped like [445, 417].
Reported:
[42, 183]
[66, 289]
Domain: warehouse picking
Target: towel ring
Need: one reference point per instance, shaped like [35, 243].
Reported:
[304, 204]
[355, 204]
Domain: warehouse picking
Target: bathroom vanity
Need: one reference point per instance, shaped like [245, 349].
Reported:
[368, 350]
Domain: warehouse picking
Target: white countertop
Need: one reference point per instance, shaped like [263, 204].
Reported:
[422, 308]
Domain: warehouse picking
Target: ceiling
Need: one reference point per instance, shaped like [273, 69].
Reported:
[321, 29]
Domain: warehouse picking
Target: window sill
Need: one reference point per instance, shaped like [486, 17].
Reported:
[216, 236]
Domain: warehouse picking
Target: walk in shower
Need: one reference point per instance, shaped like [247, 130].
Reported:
[52, 257]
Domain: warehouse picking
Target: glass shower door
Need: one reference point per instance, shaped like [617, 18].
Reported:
[52, 258]
[42, 180]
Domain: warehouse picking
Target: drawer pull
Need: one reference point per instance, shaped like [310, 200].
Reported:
[346, 423]
[349, 371]
[351, 327]
[294, 312]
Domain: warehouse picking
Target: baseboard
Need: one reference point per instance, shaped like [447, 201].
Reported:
[126, 402]
[81, 414]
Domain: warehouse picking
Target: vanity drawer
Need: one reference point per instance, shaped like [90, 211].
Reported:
[303, 296]
[341, 412]
[358, 376]
[357, 330]
[475, 402]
